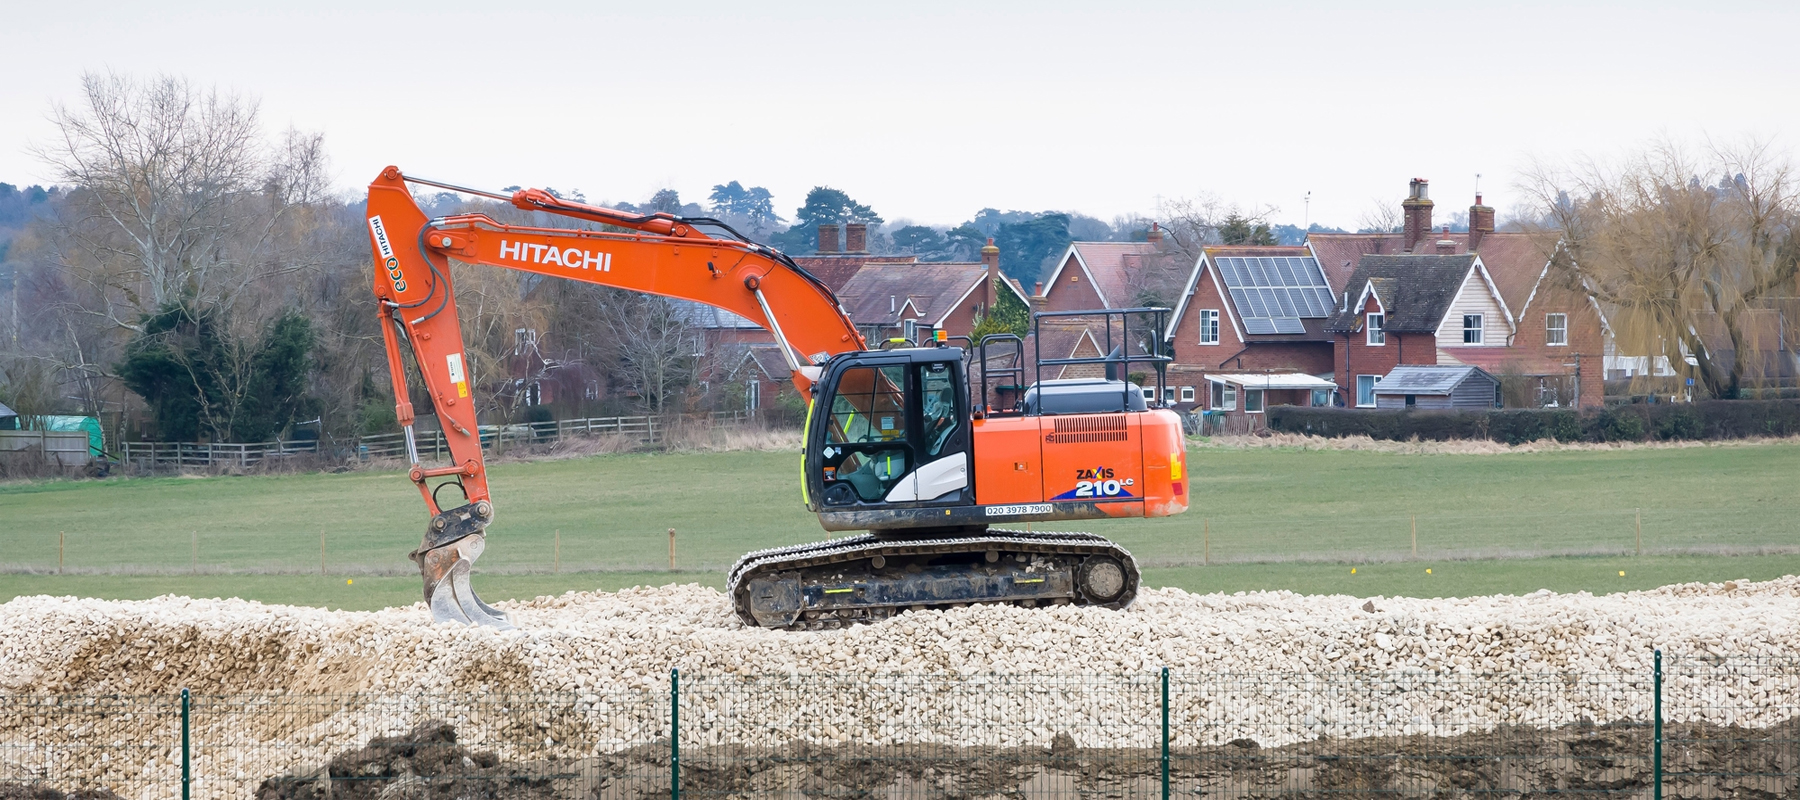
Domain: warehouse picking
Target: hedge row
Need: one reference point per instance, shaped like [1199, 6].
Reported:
[1708, 419]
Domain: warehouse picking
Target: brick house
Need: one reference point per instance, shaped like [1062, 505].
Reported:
[892, 299]
[1422, 310]
[1249, 332]
[1097, 275]
[1555, 353]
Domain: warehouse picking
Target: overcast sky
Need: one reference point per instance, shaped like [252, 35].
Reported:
[931, 111]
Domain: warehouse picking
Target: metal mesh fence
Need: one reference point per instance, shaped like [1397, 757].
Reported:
[1410, 734]
[127, 744]
[1728, 729]
[1731, 727]
[914, 736]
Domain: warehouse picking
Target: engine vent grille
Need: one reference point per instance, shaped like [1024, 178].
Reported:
[1075, 430]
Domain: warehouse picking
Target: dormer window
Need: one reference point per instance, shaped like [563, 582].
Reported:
[1471, 329]
[1376, 332]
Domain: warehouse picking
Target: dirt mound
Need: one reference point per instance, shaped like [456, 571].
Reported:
[20, 791]
[424, 762]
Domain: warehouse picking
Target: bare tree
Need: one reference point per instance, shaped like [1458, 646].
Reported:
[1680, 259]
[1382, 216]
[654, 351]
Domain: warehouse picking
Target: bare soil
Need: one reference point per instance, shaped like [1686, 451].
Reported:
[1578, 760]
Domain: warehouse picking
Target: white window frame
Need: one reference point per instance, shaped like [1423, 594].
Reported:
[1255, 400]
[1149, 393]
[1374, 381]
[1312, 398]
[1187, 394]
[1224, 396]
[1556, 326]
[590, 390]
[1209, 326]
[1476, 330]
[1168, 395]
[752, 394]
[1375, 329]
[909, 329]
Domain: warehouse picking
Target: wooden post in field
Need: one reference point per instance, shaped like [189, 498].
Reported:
[59, 552]
[671, 549]
[321, 551]
[1206, 543]
[1415, 530]
[1640, 531]
[194, 551]
[556, 559]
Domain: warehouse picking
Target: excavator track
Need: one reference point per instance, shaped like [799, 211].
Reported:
[867, 578]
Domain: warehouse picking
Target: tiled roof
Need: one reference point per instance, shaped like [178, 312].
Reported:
[701, 315]
[880, 291]
[1110, 264]
[1425, 380]
[1514, 260]
[837, 270]
[1415, 291]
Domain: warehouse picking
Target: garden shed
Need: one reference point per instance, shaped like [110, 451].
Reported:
[1460, 386]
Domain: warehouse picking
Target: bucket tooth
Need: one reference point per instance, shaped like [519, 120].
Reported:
[447, 590]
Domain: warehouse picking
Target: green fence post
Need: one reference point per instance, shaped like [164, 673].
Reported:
[1657, 741]
[675, 734]
[1165, 733]
[187, 777]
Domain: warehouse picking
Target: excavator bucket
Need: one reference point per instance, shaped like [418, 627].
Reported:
[447, 589]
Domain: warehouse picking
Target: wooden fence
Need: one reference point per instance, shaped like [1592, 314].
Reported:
[431, 444]
[56, 448]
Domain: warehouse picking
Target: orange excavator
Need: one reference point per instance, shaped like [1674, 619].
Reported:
[896, 444]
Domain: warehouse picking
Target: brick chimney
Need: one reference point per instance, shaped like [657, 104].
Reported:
[856, 237]
[1481, 223]
[1156, 235]
[828, 238]
[1446, 246]
[1416, 209]
[990, 258]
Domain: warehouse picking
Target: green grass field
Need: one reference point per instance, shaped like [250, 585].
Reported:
[1262, 519]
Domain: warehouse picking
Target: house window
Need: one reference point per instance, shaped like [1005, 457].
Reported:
[1556, 329]
[1187, 394]
[1377, 333]
[591, 390]
[524, 339]
[1412, 400]
[1471, 329]
[1168, 395]
[1224, 396]
[753, 394]
[1149, 394]
[1209, 326]
[1365, 390]
[1253, 401]
[1321, 398]
[534, 394]
[910, 330]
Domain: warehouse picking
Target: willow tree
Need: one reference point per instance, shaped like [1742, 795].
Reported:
[1688, 253]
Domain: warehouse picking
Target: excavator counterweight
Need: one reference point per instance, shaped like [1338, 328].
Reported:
[896, 444]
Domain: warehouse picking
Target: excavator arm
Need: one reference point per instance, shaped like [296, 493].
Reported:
[657, 254]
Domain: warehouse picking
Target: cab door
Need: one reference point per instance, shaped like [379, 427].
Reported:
[941, 438]
[890, 429]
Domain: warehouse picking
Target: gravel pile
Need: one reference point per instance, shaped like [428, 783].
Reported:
[613, 651]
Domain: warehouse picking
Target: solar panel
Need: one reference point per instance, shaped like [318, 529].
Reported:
[1274, 293]
[1259, 325]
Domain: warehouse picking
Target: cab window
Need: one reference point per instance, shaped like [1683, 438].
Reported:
[869, 407]
[939, 418]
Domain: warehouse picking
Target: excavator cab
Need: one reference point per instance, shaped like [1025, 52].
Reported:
[888, 435]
